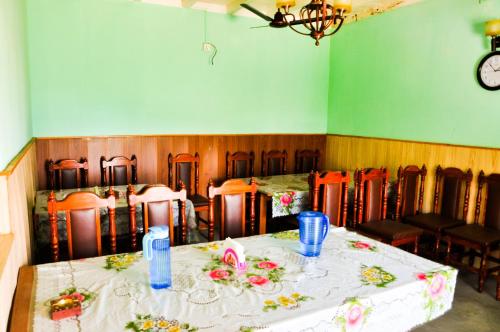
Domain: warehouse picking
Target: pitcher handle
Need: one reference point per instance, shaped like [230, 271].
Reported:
[147, 245]
[326, 228]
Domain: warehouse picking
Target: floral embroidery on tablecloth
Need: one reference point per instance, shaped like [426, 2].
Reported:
[259, 272]
[149, 323]
[360, 245]
[288, 302]
[213, 246]
[121, 262]
[288, 203]
[284, 202]
[352, 315]
[376, 276]
[438, 286]
[286, 235]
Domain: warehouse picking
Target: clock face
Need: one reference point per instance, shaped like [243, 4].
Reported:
[488, 72]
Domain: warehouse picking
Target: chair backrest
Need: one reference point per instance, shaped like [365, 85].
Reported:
[370, 194]
[239, 164]
[329, 195]
[83, 223]
[306, 161]
[118, 170]
[70, 174]
[448, 190]
[186, 168]
[233, 207]
[157, 209]
[274, 162]
[410, 193]
[492, 206]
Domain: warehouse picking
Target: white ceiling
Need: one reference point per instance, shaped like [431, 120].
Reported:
[361, 8]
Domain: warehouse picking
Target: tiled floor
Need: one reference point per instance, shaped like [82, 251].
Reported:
[472, 311]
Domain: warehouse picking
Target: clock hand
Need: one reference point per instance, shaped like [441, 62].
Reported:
[495, 70]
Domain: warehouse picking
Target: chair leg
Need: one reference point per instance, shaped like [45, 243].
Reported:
[448, 250]
[436, 248]
[415, 248]
[498, 286]
[483, 271]
[472, 257]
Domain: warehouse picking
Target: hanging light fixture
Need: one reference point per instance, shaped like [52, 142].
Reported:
[320, 17]
[493, 30]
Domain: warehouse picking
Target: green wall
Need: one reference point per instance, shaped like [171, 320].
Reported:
[410, 74]
[101, 67]
[15, 122]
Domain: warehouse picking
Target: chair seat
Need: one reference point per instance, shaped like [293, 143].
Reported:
[198, 200]
[433, 222]
[475, 233]
[390, 230]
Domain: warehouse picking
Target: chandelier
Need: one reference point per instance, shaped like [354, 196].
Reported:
[319, 17]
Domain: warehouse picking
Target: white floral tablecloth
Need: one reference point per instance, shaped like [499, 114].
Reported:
[42, 224]
[357, 284]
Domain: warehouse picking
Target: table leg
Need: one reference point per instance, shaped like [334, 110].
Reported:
[263, 212]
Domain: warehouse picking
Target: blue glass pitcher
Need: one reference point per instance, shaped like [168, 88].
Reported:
[156, 249]
[313, 229]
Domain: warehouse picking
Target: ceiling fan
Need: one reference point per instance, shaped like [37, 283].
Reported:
[317, 16]
[278, 21]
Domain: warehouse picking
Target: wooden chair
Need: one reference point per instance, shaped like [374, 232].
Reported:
[239, 165]
[83, 223]
[447, 193]
[306, 161]
[274, 163]
[185, 167]
[157, 209]
[329, 195]
[233, 208]
[410, 191]
[480, 239]
[118, 169]
[370, 201]
[70, 174]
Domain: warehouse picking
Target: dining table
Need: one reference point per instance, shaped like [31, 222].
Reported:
[42, 224]
[356, 284]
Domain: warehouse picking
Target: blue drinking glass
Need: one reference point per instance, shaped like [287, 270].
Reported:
[313, 229]
[156, 249]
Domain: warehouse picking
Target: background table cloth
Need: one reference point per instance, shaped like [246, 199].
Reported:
[290, 193]
[357, 284]
[42, 224]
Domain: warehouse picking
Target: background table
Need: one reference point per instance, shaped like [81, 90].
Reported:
[289, 195]
[357, 284]
[42, 224]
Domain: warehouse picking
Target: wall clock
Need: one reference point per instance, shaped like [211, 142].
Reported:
[488, 71]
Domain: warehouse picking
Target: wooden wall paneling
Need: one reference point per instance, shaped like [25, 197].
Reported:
[349, 152]
[96, 147]
[152, 152]
[147, 159]
[19, 185]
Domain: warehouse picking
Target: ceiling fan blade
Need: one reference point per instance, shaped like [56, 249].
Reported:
[256, 12]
